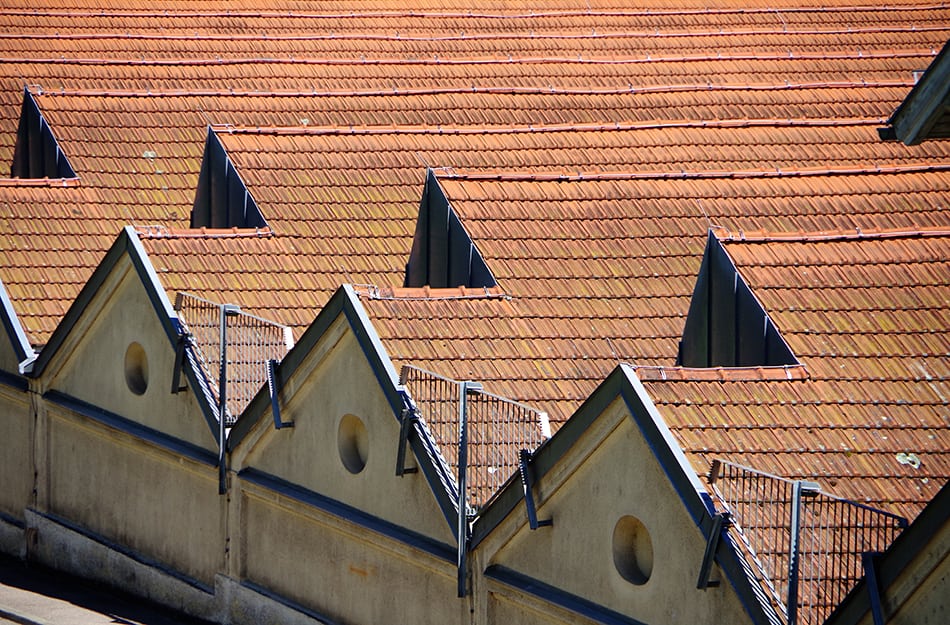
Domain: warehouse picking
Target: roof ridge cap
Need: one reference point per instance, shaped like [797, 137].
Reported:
[159, 231]
[765, 236]
[661, 373]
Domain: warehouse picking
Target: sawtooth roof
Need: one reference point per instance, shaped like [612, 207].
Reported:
[586, 151]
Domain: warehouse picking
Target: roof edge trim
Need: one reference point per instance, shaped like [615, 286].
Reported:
[22, 347]
[426, 293]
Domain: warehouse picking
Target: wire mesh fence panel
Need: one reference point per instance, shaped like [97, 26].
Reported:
[250, 342]
[437, 399]
[498, 429]
[833, 535]
[761, 509]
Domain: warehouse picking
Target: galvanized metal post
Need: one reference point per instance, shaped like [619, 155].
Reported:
[226, 310]
[465, 388]
[799, 488]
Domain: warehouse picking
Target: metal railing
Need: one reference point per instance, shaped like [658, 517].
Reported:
[807, 545]
[249, 342]
[497, 430]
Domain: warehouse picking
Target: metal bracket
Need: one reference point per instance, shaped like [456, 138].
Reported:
[409, 418]
[272, 387]
[723, 519]
[180, 347]
[524, 457]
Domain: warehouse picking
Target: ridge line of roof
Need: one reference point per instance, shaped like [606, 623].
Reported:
[629, 89]
[509, 60]
[366, 36]
[762, 236]
[472, 14]
[444, 174]
[545, 128]
[164, 232]
[426, 293]
[653, 373]
[40, 182]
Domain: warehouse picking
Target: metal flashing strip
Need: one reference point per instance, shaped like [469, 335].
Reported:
[14, 329]
[349, 513]
[142, 432]
[125, 551]
[564, 600]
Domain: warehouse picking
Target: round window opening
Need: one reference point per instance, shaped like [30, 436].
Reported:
[633, 550]
[136, 369]
[353, 443]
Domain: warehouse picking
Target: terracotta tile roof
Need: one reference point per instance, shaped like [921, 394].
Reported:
[869, 319]
[586, 152]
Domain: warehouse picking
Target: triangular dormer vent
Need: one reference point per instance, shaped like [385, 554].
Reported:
[443, 254]
[726, 325]
[37, 153]
[222, 200]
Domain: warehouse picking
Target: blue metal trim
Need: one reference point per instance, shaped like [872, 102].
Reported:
[129, 553]
[14, 381]
[524, 459]
[868, 562]
[139, 431]
[558, 597]
[12, 520]
[11, 323]
[349, 513]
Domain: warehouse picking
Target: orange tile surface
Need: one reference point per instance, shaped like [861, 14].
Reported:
[587, 148]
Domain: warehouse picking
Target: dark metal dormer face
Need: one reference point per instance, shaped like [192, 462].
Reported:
[726, 325]
[222, 199]
[37, 153]
[443, 254]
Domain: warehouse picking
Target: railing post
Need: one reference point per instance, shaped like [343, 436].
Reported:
[799, 489]
[465, 388]
[226, 310]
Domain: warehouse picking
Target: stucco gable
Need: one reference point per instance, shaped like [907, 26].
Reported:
[629, 521]
[338, 389]
[115, 351]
